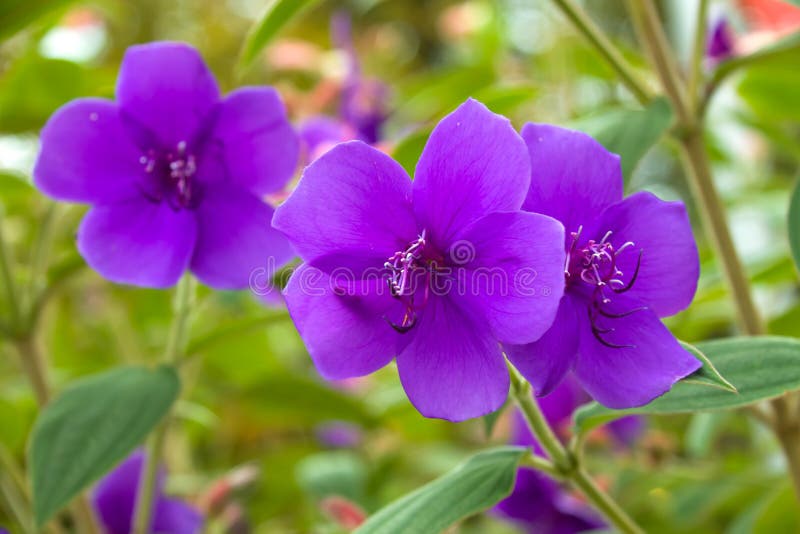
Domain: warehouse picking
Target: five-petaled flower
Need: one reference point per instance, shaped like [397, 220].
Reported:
[115, 499]
[628, 263]
[173, 172]
[435, 273]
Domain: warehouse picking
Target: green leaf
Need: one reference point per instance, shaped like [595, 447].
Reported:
[333, 473]
[490, 420]
[794, 225]
[92, 426]
[761, 368]
[408, 151]
[629, 132]
[277, 14]
[16, 14]
[707, 374]
[473, 486]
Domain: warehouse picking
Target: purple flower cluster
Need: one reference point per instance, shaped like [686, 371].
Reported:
[504, 244]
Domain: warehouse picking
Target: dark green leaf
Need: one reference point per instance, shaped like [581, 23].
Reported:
[276, 16]
[627, 132]
[16, 14]
[92, 426]
[761, 368]
[794, 225]
[473, 486]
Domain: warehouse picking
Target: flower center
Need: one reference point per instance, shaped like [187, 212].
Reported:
[595, 265]
[409, 271]
[170, 175]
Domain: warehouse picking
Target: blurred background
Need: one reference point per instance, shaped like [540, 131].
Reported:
[261, 442]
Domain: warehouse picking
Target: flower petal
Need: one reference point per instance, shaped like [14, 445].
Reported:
[176, 517]
[646, 363]
[453, 368]
[114, 498]
[545, 362]
[345, 332]
[86, 154]
[166, 88]
[255, 140]
[573, 178]
[354, 199]
[512, 272]
[138, 242]
[473, 164]
[235, 242]
[670, 266]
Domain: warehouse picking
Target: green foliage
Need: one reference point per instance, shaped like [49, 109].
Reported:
[277, 14]
[794, 225]
[92, 426]
[473, 486]
[760, 368]
[629, 132]
[17, 14]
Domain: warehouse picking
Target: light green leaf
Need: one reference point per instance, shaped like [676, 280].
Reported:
[16, 14]
[275, 17]
[408, 151]
[629, 132]
[794, 225]
[708, 374]
[91, 427]
[761, 368]
[473, 486]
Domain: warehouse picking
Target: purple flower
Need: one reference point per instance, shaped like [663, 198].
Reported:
[433, 272]
[362, 106]
[629, 262]
[173, 172]
[114, 500]
[721, 44]
[363, 103]
[540, 506]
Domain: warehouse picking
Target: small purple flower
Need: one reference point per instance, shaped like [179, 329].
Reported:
[114, 501]
[174, 173]
[629, 262]
[362, 105]
[540, 506]
[339, 434]
[433, 272]
[721, 44]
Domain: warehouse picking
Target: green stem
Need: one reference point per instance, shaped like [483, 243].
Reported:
[698, 53]
[41, 250]
[541, 464]
[8, 281]
[565, 465]
[605, 48]
[176, 343]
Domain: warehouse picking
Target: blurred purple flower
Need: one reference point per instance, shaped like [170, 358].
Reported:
[629, 262]
[362, 106]
[3, 531]
[558, 407]
[393, 267]
[174, 173]
[114, 501]
[721, 43]
[540, 506]
[339, 434]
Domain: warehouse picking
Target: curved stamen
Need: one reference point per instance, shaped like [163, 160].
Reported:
[597, 332]
[634, 277]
